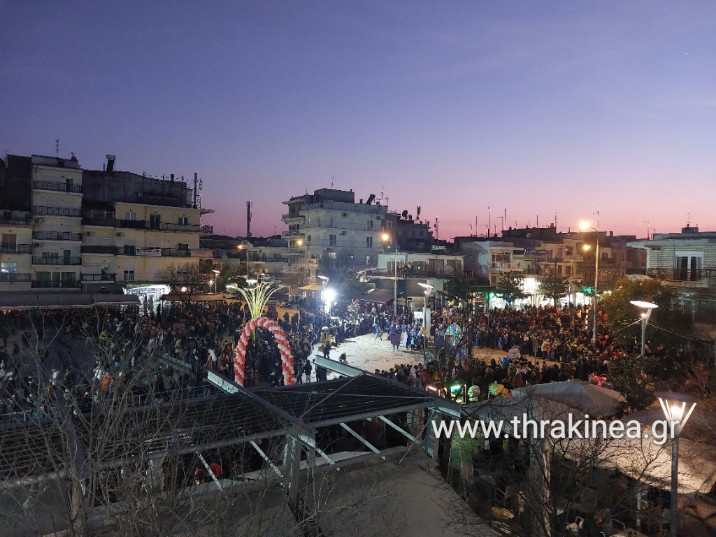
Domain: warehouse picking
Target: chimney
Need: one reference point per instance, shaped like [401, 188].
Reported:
[110, 163]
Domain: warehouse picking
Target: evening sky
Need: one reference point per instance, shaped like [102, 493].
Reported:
[531, 108]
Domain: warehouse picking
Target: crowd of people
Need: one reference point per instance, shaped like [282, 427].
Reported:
[116, 346]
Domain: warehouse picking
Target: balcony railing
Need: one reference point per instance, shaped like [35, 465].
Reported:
[56, 236]
[676, 274]
[190, 228]
[57, 211]
[56, 260]
[175, 252]
[98, 277]
[142, 224]
[13, 277]
[134, 224]
[56, 284]
[16, 249]
[57, 187]
[97, 249]
[16, 218]
[93, 221]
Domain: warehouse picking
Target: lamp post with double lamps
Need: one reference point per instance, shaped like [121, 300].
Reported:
[677, 408]
[585, 226]
[386, 238]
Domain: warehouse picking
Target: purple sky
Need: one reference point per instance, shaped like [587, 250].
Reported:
[535, 108]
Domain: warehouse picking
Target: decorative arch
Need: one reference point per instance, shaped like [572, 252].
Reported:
[281, 341]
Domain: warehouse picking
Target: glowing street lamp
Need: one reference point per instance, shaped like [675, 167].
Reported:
[386, 239]
[648, 306]
[677, 409]
[585, 226]
[328, 296]
[216, 277]
[244, 247]
[426, 314]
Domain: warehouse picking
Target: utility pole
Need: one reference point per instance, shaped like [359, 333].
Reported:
[248, 219]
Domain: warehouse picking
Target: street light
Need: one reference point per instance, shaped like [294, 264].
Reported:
[648, 306]
[244, 247]
[385, 237]
[677, 409]
[584, 226]
[216, 277]
[426, 314]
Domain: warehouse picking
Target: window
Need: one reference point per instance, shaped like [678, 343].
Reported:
[154, 221]
[9, 241]
[183, 221]
[370, 224]
[331, 240]
[129, 275]
[6, 268]
[308, 239]
[369, 242]
[689, 265]
[130, 215]
[182, 246]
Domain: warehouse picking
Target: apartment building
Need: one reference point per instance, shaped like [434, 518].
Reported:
[329, 227]
[68, 229]
[686, 262]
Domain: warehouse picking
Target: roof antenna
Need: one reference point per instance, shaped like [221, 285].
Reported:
[57, 148]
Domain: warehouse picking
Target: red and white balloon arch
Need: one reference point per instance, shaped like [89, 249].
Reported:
[281, 341]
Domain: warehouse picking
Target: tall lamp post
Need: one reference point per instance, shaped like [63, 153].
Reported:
[677, 408]
[244, 247]
[648, 306]
[585, 226]
[426, 314]
[386, 239]
[216, 277]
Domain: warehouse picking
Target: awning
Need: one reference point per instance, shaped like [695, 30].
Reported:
[311, 287]
[379, 296]
[50, 300]
[194, 297]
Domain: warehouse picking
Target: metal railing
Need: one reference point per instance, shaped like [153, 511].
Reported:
[18, 218]
[676, 274]
[56, 284]
[56, 260]
[175, 252]
[58, 211]
[57, 187]
[97, 249]
[16, 249]
[133, 224]
[98, 277]
[13, 277]
[190, 228]
[92, 221]
[56, 236]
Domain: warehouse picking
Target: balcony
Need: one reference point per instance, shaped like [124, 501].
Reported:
[57, 187]
[92, 221]
[290, 233]
[133, 224]
[188, 228]
[56, 260]
[57, 211]
[15, 218]
[16, 249]
[96, 249]
[505, 265]
[55, 284]
[292, 218]
[175, 252]
[13, 277]
[98, 277]
[56, 236]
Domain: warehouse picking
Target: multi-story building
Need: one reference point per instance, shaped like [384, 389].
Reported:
[329, 227]
[64, 228]
[685, 261]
